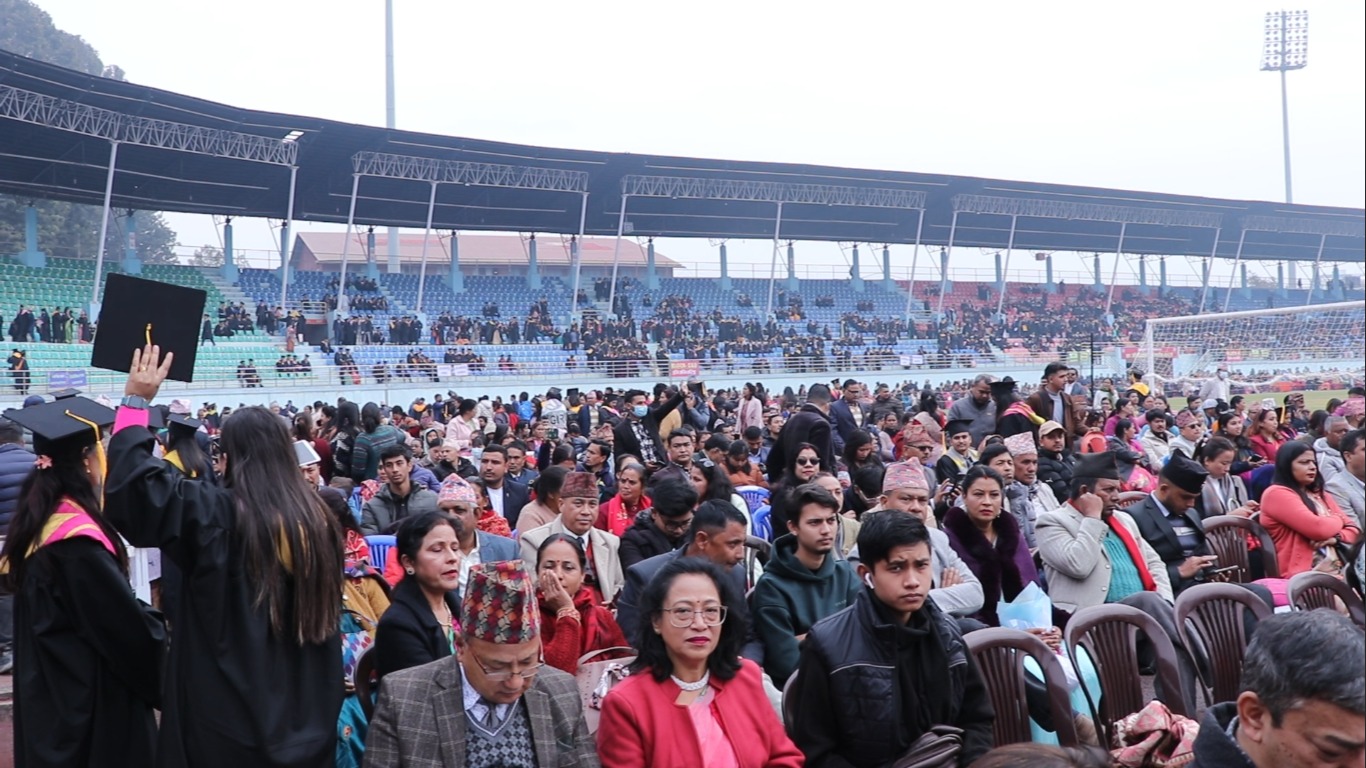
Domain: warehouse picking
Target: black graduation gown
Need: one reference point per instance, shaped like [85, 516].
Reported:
[87, 666]
[235, 695]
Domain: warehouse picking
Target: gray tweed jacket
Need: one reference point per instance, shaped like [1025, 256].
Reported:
[419, 720]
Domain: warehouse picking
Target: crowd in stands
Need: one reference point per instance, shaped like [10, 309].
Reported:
[58, 326]
[687, 577]
[289, 366]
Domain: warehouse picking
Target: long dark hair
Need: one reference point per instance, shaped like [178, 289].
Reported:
[370, 418]
[39, 496]
[719, 486]
[1285, 471]
[653, 657]
[193, 460]
[348, 419]
[303, 428]
[857, 439]
[279, 518]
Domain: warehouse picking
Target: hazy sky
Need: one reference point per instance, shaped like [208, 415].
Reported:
[1160, 96]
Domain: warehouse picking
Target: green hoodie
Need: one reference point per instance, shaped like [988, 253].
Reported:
[789, 598]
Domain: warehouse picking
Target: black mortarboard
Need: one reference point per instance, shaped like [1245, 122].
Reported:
[1003, 387]
[135, 310]
[1184, 473]
[65, 426]
[957, 426]
[182, 424]
[1097, 466]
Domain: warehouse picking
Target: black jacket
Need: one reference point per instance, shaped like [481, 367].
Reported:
[624, 438]
[1213, 747]
[643, 540]
[409, 634]
[1157, 529]
[1055, 471]
[852, 682]
[515, 496]
[807, 425]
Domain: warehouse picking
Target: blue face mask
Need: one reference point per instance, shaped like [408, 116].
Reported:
[641, 411]
[476, 455]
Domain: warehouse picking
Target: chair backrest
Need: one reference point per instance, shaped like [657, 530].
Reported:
[365, 682]
[380, 544]
[753, 495]
[1108, 634]
[1000, 654]
[761, 525]
[1227, 539]
[1311, 589]
[1210, 619]
[789, 706]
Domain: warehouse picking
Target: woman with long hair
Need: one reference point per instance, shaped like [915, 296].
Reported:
[1264, 434]
[87, 654]
[1305, 523]
[182, 448]
[1233, 427]
[800, 469]
[373, 438]
[692, 699]
[572, 620]
[303, 430]
[420, 625]
[262, 559]
[859, 450]
[621, 510]
[344, 428]
[712, 482]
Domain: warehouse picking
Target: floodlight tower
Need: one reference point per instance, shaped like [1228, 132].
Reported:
[1286, 47]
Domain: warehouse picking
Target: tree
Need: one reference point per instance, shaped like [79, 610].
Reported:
[207, 256]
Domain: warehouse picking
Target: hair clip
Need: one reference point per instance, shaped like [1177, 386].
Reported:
[42, 462]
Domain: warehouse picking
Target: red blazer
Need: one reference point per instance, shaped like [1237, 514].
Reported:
[1293, 527]
[1265, 448]
[641, 725]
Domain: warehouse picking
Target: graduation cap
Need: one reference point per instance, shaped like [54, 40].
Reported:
[1003, 387]
[65, 427]
[183, 425]
[136, 312]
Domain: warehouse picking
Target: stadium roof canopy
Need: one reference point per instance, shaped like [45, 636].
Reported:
[183, 154]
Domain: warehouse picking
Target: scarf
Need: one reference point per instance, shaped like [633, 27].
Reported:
[1021, 408]
[1135, 554]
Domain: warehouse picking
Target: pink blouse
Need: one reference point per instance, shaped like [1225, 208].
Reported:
[717, 751]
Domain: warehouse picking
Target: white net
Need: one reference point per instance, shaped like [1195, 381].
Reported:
[1259, 347]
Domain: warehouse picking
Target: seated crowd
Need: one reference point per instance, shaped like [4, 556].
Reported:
[685, 577]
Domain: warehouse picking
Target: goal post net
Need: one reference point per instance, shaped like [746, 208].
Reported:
[1258, 346]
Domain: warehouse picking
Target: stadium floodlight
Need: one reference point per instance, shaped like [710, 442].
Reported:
[1285, 47]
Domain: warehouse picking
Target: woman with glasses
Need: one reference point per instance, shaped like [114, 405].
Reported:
[572, 620]
[691, 700]
[805, 463]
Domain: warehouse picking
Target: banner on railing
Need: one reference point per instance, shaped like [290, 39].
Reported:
[685, 369]
[66, 379]
[458, 370]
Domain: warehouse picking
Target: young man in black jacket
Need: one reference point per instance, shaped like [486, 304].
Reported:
[1055, 461]
[875, 677]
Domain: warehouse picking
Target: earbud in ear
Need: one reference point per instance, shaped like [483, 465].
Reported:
[867, 579]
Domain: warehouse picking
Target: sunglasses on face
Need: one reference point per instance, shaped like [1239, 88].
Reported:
[804, 462]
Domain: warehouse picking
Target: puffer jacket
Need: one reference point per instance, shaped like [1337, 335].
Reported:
[15, 464]
[1055, 471]
[643, 540]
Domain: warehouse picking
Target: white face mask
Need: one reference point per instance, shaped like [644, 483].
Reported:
[1223, 375]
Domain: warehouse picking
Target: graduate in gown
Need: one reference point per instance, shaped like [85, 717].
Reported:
[255, 672]
[88, 653]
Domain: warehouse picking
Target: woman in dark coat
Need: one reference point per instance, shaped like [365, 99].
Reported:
[989, 542]
[255, 671]
[421, 624]
[88, 654]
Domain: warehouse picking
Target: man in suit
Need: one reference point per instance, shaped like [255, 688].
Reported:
[459, 498]
[592, 413]
[637, 433]
[1051, 402]
[1093, 554]
[494, 702]
[810, 424]
[507, 496]
[578, 510]
[848, 414]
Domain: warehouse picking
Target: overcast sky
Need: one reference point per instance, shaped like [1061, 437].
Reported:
[1159, 96]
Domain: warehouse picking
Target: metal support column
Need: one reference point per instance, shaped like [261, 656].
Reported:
[651, 276]
[454, 276]
[915, 256]
[426, 235]
[346, 244]
[1314, 276]
[773, 262]
[104, 224]
[1237, 258]
[886, 268]
[229, 270]
[616, 256]
[285, 235]
[533, 268]
[726, 284]
[1005, 272]
[944, 268]
[1213, 252]
[1114, 272]
[577, 257]
[855, 271]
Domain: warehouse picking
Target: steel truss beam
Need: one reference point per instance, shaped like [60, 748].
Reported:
[1057, 209]
[691, 188]
[62, 114]
[1304, 226]
[432, 170]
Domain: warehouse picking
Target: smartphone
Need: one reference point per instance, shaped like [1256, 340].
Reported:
[1225, 569]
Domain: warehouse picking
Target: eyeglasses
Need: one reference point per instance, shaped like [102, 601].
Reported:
[808, 462]
[712, 615]
[499, 677]
[676, 526]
